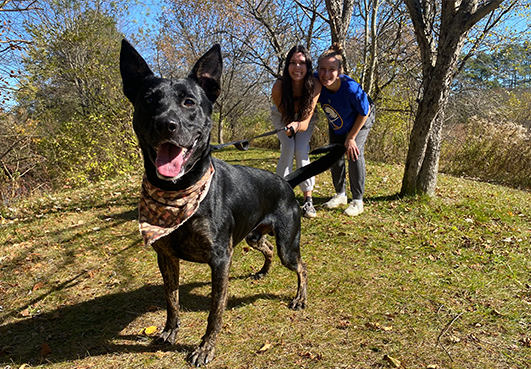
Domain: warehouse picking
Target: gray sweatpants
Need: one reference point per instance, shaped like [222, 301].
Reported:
[356, 168]
[297, 147]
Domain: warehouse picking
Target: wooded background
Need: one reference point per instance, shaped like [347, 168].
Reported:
[451, 80]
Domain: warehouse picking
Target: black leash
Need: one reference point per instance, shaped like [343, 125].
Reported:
[243, 145]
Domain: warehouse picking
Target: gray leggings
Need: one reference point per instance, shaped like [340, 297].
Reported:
[297, 147]
[356, 168]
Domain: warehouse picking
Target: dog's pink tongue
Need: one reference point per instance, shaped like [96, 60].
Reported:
[169, 160]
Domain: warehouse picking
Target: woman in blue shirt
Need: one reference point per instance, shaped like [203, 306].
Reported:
[350, 114]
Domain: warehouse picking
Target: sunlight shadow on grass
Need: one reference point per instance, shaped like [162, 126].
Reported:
[93, 327]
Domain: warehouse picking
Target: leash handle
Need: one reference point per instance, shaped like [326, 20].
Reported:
[291, 131]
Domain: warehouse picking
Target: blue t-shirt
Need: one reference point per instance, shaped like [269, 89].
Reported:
[343, 106]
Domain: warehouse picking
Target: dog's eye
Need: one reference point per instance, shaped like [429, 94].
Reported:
[149, 100]
[189, 103]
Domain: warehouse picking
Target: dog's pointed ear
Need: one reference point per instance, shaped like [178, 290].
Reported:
[134, 70]
[207, 72]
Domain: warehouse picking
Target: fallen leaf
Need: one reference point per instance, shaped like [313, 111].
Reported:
[391, 360]
[150, 330]
[37, 286]
[454, 339]
[265, 347]
[311, 356]
[161, 354]
[377, 326]
[372, 325]
[344, 324]
[45, 350]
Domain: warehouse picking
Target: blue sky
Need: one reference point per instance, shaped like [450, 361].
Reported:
[143, 16]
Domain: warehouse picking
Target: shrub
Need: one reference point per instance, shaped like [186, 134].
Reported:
[388, 140]
[489, 150]
[90, 149]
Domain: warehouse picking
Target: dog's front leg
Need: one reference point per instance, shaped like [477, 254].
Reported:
[204, 354]
[169, 268]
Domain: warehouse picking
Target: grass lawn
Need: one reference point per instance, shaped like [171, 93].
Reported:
[412, 283]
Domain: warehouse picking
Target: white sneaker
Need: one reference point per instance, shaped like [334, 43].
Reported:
[336, 201]
[354, 208]
[308, 210]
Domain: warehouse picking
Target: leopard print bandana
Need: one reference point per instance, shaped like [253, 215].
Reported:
[162, 212]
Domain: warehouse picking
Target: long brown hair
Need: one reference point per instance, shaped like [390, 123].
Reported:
[287, 101]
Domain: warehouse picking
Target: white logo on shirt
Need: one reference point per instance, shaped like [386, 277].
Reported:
[333, 117]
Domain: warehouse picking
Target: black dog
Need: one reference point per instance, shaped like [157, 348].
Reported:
[195, 207]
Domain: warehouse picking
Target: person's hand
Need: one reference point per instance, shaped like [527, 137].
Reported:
[352, 149]
[292, 128]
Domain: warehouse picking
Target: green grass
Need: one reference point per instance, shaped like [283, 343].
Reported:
[442, 282]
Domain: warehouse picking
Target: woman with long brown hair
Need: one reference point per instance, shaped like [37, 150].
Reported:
[295, 97]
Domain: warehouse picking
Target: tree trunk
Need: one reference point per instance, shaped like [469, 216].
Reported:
[366, 38]
[339, 15]
[422, 163]
[441, 34]
[220, 131]
[430, 166]
[418, 144]
[371, 52]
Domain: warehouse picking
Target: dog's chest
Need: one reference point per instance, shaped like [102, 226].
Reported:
[191, 242]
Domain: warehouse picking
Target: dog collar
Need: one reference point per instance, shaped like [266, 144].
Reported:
[162, 212]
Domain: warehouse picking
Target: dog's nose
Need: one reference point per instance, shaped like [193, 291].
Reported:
[165, 127]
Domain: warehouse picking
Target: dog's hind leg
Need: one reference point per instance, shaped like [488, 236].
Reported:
[289, 253]
[257, 241]
[169, 268]
[299, 302]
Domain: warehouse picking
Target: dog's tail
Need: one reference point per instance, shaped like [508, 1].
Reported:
[334, 153]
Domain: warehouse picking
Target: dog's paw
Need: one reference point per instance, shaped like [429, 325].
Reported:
[202, 355]
[297, 304]
[258, 276]
[168, 336]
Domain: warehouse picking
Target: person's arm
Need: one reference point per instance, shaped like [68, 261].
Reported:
[350, 143]
[276, 93]
[301, 126]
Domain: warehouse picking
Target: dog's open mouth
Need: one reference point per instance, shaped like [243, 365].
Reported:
[171, 159]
